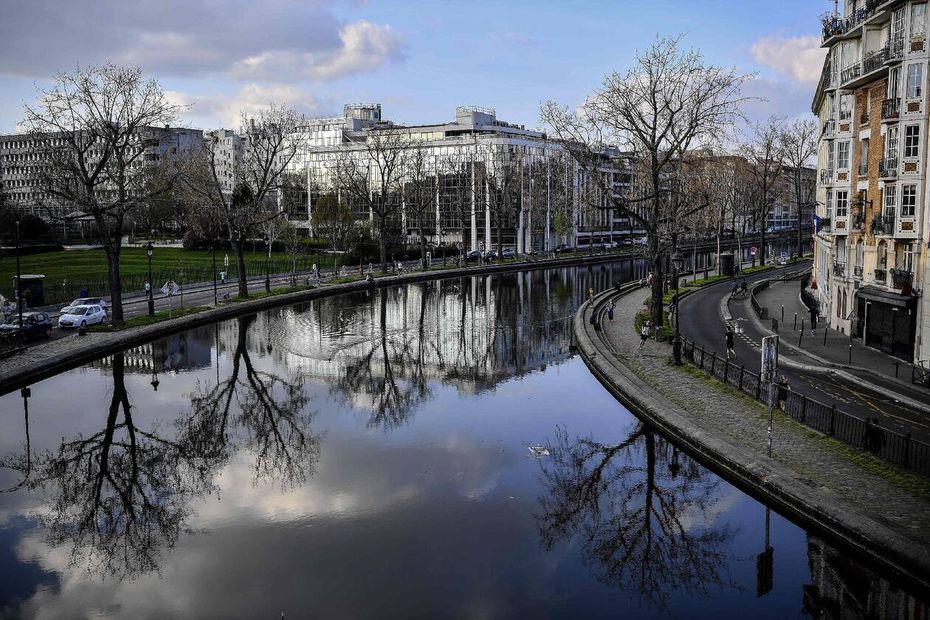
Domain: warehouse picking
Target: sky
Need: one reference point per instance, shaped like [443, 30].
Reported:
[418, 59]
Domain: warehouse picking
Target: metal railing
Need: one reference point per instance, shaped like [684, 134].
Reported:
[894, 49]
[839, 269]
[891, 108]
[826, 176]
[857, 271]
[851, 73]
[888, 167]
[857, 221]
[881, 276]
[874, 60]
[920, 373]
[886, 444]
[901, 278]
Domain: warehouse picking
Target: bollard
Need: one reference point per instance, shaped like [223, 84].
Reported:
[850, 354]
[795, 320]
[897, 365]
[825, 335]
[801, 333]
[775, 325]
[783, 312]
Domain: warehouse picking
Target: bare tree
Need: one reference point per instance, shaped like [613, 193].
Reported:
[258, 174]
[457, 186]
[799, 142]
[333, 220]
[93, 129]
[420, 194]
[502, 174]
[373, 178]
[668, 102]
[765, 156]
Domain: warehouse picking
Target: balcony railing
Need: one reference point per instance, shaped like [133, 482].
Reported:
[857, 271]
[888, 167]
[901, 278]
[881, 276]
[833, 26]
[825, 223]
[863, 168]
[891, 108]
[874, 60]
[839, 269]
[851, 73]
[857, 221]
[895, 49]
[864, 118]
[881, 225]
[826, 176]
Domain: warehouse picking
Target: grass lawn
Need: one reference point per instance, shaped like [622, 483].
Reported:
[68, 271]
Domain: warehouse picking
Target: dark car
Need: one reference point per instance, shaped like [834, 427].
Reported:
[490, 255]
[564, 248]
[508, 253]
[473, 255]
[35, 325]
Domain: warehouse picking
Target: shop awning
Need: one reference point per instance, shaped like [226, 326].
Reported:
[873, 293]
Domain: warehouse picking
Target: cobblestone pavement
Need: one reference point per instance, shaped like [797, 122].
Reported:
[859, 482]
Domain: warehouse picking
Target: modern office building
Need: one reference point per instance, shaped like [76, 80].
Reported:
[871, 263]
[495, 183]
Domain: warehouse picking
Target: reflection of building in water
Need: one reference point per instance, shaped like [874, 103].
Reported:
[842, 588]
[188, 350]
[472, 332]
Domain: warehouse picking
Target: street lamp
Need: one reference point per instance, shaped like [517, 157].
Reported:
[267, 259]
[678, 262]
[19, 281]
[148, 253]
[213, 246]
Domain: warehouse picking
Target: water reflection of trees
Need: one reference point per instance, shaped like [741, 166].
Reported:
[640, 509]
[119, 496]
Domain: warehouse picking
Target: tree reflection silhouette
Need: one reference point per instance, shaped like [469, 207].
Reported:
[120, 495]
[641, 514]
[270, 413]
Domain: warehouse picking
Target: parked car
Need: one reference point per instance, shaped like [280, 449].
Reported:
[508, 253]
[564, 248]
[35, 325]
[490, 255]
[85, 301]
[81, 316]
[473, 255]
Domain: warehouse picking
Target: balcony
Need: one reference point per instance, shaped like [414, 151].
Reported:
[857, 221]
[850, 73]
[863, 168]
[881, 276]
[839, 270]
[888, 168]
[891, 109]
[826, 177]
[824, 225]
[882, 225]
[857, 272]
[874, 60]
[833, 26]
[894, 50]
[901, 279]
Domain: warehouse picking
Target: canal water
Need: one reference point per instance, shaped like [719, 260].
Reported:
[426, 451]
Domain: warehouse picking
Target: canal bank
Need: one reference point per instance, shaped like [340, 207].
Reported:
[42, 361]
[865, 507]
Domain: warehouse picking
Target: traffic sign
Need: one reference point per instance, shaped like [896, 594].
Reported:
[170, 288]
[752, 251]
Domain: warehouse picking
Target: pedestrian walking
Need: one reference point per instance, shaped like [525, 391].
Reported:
[730, 336]
[733, 288]
[649, 279]
[610, 312]
[644, 333]
[591, 294]
[83, 292]
[813, 319]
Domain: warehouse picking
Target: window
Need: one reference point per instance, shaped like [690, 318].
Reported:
[891, 141]
[912, 141]
[830, 156]
[894, 77]
[845, 107]
[908, 263]
[828, 207]
[889, 194]
[842, 155]
[908, 200]
[842, 203]
[860, 253]
[915, 73]
[863, 155]
[918, 19]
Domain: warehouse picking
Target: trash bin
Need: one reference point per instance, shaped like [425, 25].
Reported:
[725, 268]
[33, 288]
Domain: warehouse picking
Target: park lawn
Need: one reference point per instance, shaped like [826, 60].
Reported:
[72, 269]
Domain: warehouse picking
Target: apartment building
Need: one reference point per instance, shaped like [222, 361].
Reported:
[228, 148]
[470, 158]
[870, 263]
[21, 159]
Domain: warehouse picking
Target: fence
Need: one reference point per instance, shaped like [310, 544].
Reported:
[883, 443]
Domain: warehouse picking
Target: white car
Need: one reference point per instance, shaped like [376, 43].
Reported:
[81, 316]
[85, 301]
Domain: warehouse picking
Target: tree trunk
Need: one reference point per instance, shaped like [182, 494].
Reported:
[422, 247]
[241, 275]
[382, 248]
[658, 281]
[112, 250]
[761, 251]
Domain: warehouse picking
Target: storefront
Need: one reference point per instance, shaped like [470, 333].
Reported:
[887, 320]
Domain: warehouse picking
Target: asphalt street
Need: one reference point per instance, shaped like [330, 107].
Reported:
[702, 323]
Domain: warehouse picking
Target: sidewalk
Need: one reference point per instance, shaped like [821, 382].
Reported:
[808, 475]
[828, 347]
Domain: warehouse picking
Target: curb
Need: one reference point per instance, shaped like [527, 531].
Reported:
[82, 354]
[757, 475]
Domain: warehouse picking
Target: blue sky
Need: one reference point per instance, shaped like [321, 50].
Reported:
[419, 59]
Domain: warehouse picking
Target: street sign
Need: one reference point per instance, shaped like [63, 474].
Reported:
[769, 357]
[783, 258]
[170, 288]
[752, 251]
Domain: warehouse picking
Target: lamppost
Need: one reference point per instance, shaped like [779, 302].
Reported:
[148, 253]
[678, 262]
[267, 260]
[213, 247]
[19, 281]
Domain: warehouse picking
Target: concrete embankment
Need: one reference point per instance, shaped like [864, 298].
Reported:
[51, 358]
[824, 486]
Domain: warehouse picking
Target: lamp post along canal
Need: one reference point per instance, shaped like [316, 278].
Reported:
[267, 260]
[148, 253]
[678, 265]
[19, 281]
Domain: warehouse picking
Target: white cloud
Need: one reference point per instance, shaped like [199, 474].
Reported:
[798, 58]
[209, 111]
[364, 47]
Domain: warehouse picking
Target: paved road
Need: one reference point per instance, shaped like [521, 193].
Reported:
[701, 322]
